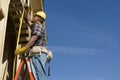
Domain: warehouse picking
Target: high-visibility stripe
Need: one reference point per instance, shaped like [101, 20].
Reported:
[29, 69]
[20, 67]
[28, 65]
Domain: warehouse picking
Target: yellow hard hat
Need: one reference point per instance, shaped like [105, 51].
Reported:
[41, 14]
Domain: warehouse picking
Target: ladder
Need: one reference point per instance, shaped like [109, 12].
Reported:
[15, 11]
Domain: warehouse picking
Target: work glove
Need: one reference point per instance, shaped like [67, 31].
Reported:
[20, 50]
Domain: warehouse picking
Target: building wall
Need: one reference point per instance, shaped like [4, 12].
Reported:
[7, 38]
[3, 23]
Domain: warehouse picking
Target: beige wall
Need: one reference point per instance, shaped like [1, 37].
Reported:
[3, 22]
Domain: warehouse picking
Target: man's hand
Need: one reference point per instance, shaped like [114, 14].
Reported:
[20, 50]
[29, 18]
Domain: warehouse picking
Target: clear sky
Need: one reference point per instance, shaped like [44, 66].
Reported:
[84, 36]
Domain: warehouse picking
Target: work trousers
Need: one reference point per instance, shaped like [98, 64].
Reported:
[38, 66]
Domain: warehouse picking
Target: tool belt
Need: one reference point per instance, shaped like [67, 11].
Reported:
[38, 50]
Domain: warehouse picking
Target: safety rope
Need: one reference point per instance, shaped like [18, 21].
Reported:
[18, 39]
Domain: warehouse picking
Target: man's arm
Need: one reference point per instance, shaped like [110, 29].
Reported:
[29, 21]
[31, 41]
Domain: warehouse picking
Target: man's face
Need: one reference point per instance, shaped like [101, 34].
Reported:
[36, 18]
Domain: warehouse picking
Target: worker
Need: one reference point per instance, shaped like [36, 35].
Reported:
[39, 58]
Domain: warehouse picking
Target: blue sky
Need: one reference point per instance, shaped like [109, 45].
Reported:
[84, 37]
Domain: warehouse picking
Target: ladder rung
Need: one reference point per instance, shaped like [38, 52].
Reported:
[24, 35]
[23, 28]
[24, 31]
[24, 25]
[23, 42]
[22, 39]
[16, 16]
[15, 4]
[17, 21]
[16, 9]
